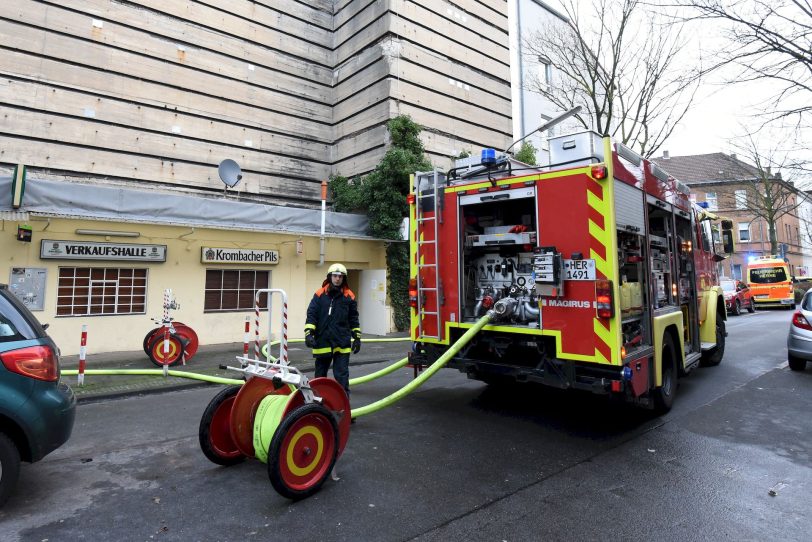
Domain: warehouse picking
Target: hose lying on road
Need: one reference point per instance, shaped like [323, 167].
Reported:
[425, 375]
[387, 340]
[156, 372]
[217, 379]
[362, 411]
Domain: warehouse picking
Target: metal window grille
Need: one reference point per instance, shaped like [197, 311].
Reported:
[97, 291]
[233, 289]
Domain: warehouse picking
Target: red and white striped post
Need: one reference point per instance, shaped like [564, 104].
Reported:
[82, 355]
[256, 327]
[167, 295]
[283, 346]
[247, 337]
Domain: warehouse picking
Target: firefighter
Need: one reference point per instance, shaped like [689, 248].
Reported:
[332, 330]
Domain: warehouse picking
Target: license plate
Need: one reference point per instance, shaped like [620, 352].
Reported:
[579, 269]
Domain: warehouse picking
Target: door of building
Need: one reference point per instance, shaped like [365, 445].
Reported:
[374, 313]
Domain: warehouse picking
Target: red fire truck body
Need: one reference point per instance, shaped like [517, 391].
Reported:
[600, 273]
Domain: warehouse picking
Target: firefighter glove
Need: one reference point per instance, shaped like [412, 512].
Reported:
[310, 339]
[356, 345]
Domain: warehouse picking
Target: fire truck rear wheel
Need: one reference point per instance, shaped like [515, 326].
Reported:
[664, 395]
[713, 357]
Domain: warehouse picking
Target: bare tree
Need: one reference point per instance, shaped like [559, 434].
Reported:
[766, 40]
[766, 194]
[623, 65]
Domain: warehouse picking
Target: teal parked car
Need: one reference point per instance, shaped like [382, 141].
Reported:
[37, 409]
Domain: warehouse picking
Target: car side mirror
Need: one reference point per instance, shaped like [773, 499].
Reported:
[45, 326]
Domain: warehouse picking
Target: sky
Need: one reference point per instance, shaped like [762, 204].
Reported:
[722, 113]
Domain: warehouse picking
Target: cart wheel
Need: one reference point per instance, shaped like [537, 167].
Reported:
[335, 399]
[156, 351]
[245, 409]
[303, 451]
[148, 338]
[190, 340]
[215, 429]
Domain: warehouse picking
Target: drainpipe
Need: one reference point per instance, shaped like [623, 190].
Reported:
[323, 219]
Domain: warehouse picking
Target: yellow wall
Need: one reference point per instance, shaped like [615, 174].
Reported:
[183, 272]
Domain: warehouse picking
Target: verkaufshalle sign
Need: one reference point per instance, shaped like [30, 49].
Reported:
[237, 255]
[86, 250]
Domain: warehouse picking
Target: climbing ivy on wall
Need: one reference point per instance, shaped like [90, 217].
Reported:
[381, 195]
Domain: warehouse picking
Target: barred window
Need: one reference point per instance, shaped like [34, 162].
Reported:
[234, 289]
[84, 291]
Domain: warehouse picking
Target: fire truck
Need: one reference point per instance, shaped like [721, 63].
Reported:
[597, 270]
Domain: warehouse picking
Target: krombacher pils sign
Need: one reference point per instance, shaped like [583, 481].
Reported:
[238, 255]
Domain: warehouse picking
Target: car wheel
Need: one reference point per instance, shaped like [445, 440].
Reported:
[737, 308]
[713, 357]
[752, 307]
[797, 364]
[9, 467]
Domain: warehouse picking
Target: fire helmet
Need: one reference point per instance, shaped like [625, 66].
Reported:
[337, 268]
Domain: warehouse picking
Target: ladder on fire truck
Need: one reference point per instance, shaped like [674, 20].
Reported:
[427, 247]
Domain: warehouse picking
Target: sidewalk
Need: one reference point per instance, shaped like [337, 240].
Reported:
[206, 361]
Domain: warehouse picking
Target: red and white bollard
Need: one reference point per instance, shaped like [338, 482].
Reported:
[256, 328]
[283, 346]
[283, 343]
[82, 356]
[247, 337]
[167, 295]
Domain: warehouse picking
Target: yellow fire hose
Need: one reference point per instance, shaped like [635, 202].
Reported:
[231, 381]
[425, 375]
[220, 380]
[156, 372]
[362, 411]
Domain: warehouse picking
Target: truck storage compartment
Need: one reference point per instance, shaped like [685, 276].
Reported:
[498, 238]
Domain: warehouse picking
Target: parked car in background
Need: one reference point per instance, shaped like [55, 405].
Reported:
[737, 296]
[799, 340]
[37, 409]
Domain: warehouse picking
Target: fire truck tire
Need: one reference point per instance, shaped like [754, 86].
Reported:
[303, 451]
[713, 357]
[215, 430]
[664, 395]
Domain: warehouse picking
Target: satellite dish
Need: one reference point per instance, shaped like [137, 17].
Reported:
[229, 172]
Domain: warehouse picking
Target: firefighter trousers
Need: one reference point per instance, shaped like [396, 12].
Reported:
[341, 368]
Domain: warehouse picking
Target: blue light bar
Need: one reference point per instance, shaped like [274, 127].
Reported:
[703, 204]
